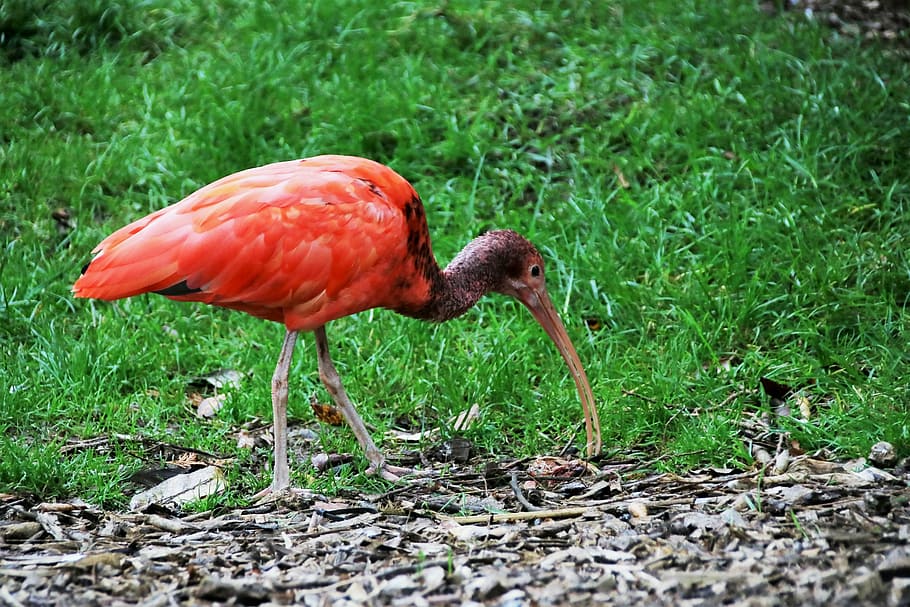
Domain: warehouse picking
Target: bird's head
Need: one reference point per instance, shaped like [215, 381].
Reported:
[519, 270]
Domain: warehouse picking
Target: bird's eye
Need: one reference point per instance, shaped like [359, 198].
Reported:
[535, 270]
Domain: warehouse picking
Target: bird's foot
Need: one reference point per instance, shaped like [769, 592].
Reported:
[392, 473]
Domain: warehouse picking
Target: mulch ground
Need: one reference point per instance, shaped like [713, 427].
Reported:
[547, 531]
[884, 20]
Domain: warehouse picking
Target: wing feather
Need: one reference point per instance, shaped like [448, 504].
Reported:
[300, 241]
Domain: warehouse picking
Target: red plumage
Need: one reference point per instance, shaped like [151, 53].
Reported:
[300, 242]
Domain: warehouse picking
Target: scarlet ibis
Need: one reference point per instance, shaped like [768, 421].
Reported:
[304, 242]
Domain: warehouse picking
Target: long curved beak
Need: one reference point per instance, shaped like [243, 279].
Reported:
[538, 302]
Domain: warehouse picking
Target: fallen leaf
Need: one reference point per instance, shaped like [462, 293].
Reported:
[594, 324]
[62, 218]
[805, 407]
[761, 455]
[883, 454]
[466, 533]
[781, 462]
[182, 488]
[324, 461]
[689, 522]
[51, 525]
[218, 380]
[556, 467]
[432, 578]
[99, 559]
[20, 531]
[327, 414]
[638, 509]
[623, 182]
[458, 423]
[245, 440]
[210, 406]
[775, 389]
[464, 419]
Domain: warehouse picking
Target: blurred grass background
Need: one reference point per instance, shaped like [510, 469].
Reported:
[720, 195]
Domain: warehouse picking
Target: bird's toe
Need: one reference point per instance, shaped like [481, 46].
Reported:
[392, 473]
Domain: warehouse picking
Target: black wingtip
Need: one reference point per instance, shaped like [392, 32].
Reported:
[85, 268]
[181, 288]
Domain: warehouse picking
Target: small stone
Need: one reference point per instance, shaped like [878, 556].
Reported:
[883, 454]
[689, 522]
[733, 518]
[209, 407]
[638, 510]
[513, 598]
[744, 502]
[781, 463]
[20, 531]
[900, 592]
[877, 503]
[868, 585]
[896, 565]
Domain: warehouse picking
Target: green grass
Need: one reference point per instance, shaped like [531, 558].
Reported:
[765, 221]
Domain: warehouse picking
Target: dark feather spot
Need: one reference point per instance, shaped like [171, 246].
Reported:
[181, 288]
[85, 268]
[373, 187]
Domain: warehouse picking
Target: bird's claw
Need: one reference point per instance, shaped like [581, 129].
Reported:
[392, 473]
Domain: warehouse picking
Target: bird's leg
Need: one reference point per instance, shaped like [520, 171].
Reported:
[281, 476]
[332, 382]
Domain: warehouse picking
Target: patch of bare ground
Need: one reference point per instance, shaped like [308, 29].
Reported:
[548, 531]
[871, 19]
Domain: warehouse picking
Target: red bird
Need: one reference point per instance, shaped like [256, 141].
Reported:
[307, 241]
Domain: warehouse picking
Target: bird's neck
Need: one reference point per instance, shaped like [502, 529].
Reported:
[473, 273]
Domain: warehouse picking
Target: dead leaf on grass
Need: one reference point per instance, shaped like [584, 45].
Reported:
[326, 461]
[218, 380]
[182, 488]
[883, 454]
[327, 414]
[210, 406]
[558, 468]
[245, 439]
[456, 449]
[805, 407]
[458, 423]
[594, 324]
[623, 182]
[775, 389]
[63, 220]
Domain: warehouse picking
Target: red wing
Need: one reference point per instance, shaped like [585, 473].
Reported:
[287, 239]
